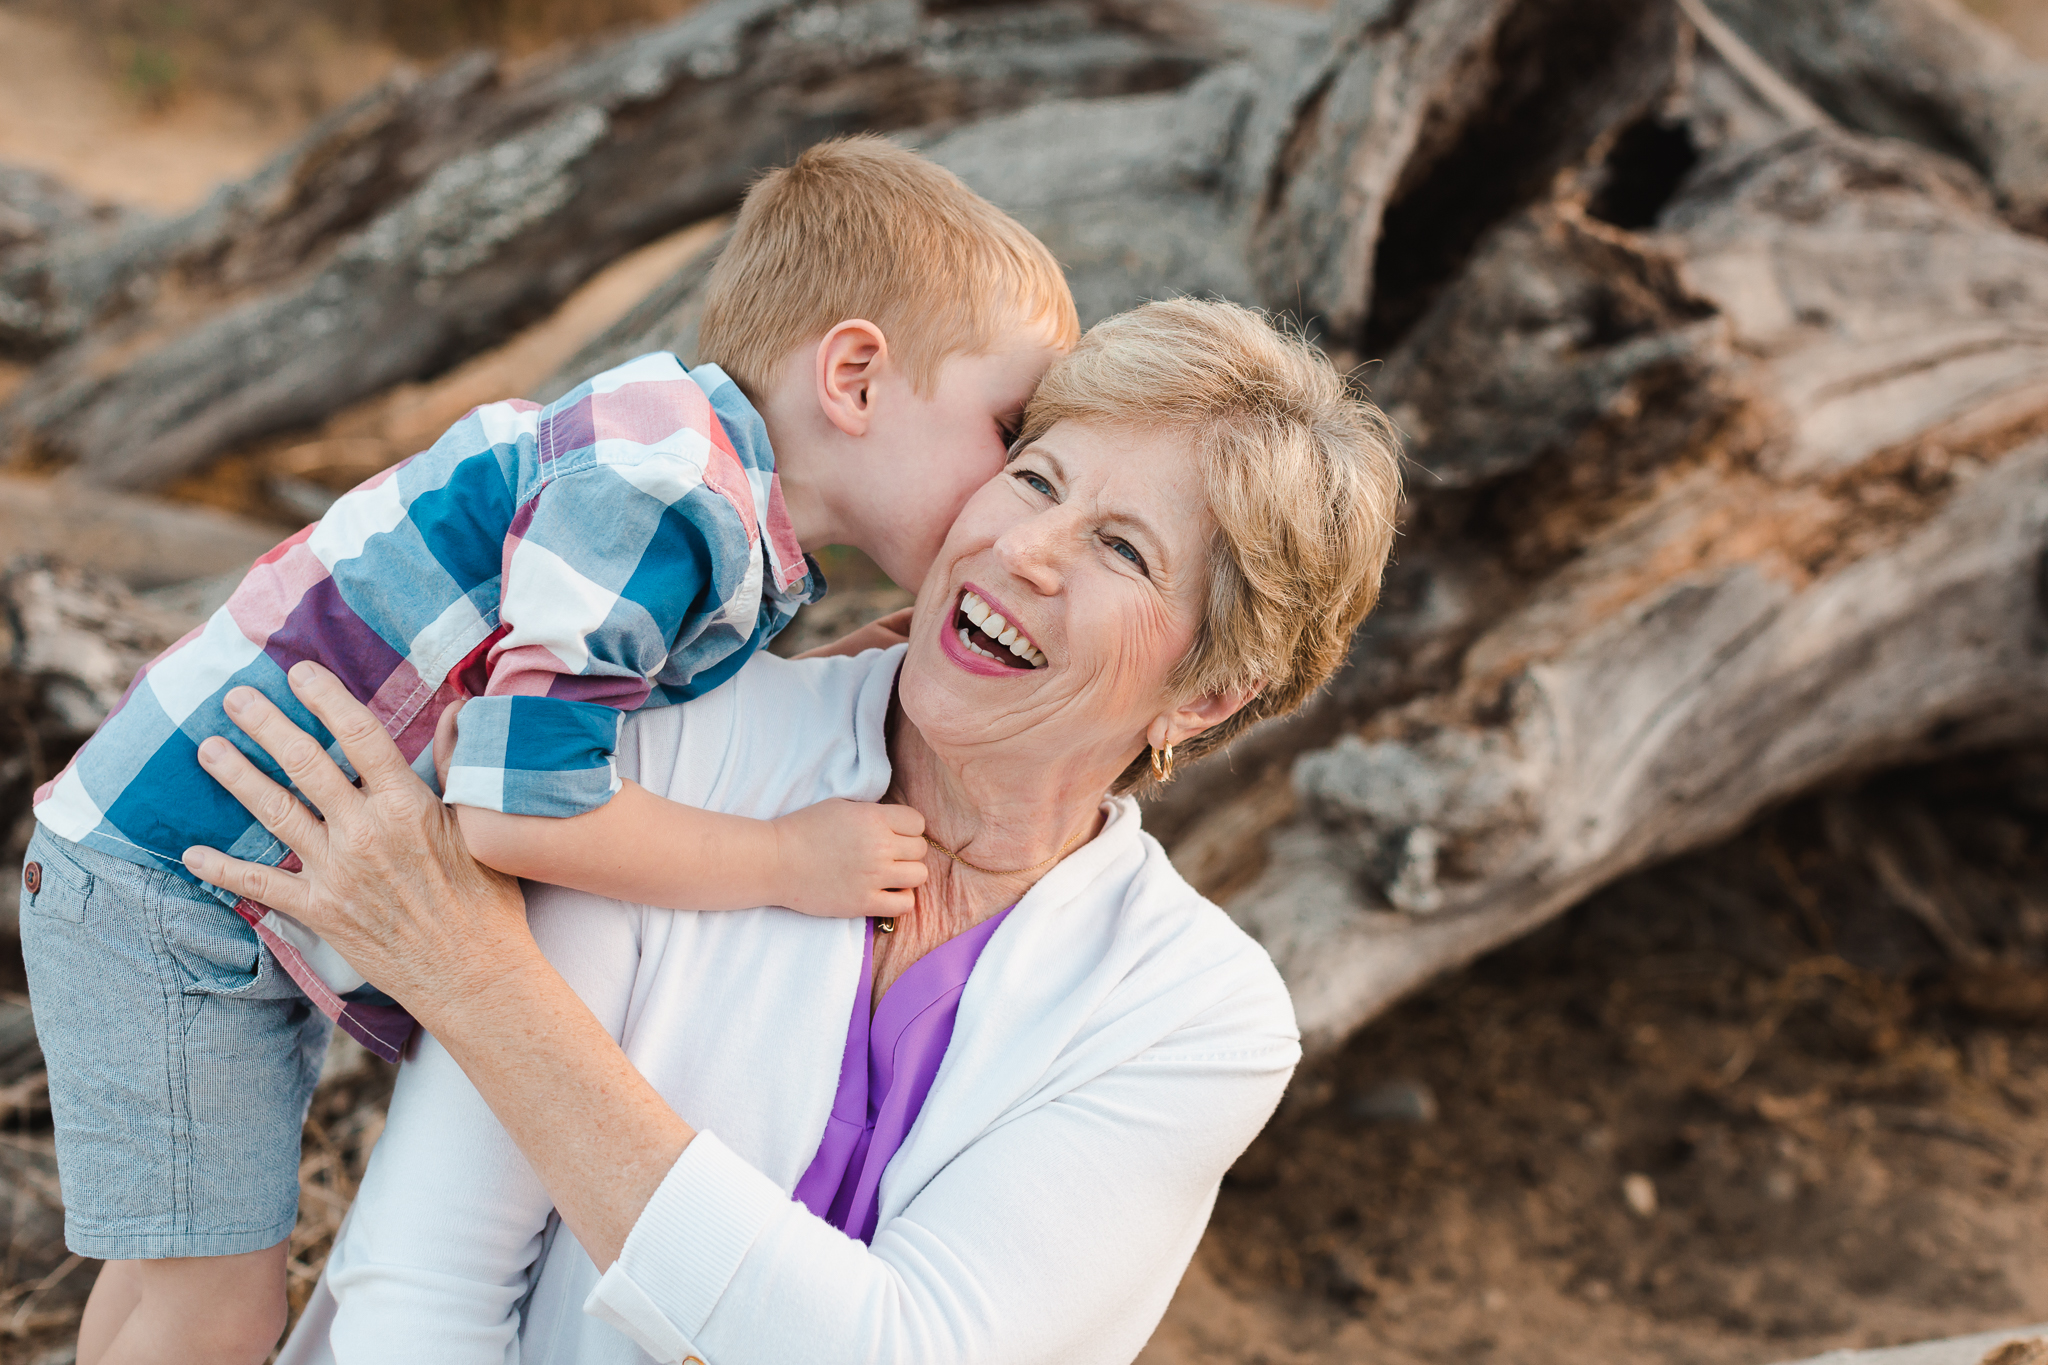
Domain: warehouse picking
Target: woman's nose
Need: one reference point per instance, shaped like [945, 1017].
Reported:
[1033, 551]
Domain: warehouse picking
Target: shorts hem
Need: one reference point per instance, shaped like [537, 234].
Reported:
[160, 1246]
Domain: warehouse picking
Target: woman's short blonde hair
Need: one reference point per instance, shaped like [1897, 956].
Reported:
[1303, 480]
[859, 227]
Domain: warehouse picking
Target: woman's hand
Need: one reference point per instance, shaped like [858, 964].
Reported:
[386, 877]
[388, 881]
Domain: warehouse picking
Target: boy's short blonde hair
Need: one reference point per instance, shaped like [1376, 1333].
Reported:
[861, 228]
[1303, 480]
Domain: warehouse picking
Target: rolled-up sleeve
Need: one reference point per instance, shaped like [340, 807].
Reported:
[612, 575]
[1059, 1235]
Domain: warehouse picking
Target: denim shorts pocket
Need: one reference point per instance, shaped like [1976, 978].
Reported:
[215, 949]
[67, 887]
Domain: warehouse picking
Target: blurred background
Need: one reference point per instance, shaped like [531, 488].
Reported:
[1733, 1087]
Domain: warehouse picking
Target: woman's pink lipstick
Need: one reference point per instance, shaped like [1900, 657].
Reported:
[956, 649]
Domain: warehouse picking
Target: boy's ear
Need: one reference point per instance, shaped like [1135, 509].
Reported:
[849, 359]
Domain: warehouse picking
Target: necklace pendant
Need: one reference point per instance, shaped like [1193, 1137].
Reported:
[886, 926]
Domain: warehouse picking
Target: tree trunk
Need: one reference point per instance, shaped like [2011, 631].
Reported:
[432, 217]
[1725, 382]
[1726, 427]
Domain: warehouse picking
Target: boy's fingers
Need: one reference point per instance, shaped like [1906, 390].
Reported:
[910, 850]
[276, 809]
[297, 752]
[376, 759]
[904, 820]
[269, 886]
[889, 904]
[909, 874]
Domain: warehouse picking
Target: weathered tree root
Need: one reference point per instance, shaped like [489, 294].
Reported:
[427, 220]
[1726, 389]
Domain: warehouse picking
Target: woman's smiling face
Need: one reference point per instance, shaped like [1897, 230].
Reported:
[1064, 597]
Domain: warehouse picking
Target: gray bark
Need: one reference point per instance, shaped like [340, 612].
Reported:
[143, 542]
[1139, 196]
[428, 220]
[1729, 421]
[1706, 514]
[1722, 418]
[1924, 70]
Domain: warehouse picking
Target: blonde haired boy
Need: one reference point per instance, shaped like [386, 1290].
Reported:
[877, 330]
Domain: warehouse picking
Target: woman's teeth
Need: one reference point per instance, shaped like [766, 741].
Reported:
[995, 628]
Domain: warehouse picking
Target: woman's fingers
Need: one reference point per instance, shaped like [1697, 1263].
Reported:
[297, 752]
[376, 759]
[276, 809]
[444, 743]
[270, 886]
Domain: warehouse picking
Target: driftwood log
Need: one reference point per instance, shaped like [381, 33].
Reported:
[435, 215]
[1718, 331]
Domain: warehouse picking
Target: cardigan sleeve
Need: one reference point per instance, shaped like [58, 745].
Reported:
[1059, 1235]
[451, 1218]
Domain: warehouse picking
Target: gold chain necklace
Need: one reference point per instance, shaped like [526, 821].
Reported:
[888, 926]
[1010, 872]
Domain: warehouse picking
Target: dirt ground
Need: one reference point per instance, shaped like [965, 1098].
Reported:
[1781, 1096]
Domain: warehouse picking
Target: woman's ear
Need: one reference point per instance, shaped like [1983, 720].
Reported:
[1197, 714]
[849, 360]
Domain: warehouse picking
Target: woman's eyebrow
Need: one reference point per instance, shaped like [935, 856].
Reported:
[1156, 546]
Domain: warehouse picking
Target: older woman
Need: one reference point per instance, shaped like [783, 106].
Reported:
[1005, 1114]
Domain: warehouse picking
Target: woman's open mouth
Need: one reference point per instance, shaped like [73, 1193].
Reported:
[983, 630]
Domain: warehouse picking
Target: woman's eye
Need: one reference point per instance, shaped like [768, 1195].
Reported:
[1123, 547]
[1035, 483]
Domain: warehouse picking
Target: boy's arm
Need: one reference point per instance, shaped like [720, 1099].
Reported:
[839, 858]
[643, 563]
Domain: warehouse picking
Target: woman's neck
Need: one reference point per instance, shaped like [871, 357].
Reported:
[998, 826]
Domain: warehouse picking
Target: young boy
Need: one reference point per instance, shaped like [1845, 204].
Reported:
[877, 329]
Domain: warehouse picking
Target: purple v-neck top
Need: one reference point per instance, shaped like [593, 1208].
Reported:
[892, 1056]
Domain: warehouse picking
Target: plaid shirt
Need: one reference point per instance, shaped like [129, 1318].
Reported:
[624, 547]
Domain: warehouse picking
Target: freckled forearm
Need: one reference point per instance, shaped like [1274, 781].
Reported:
[598, 1136]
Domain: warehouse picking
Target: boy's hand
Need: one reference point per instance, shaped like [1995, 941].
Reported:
[846, 859]
[880, 633]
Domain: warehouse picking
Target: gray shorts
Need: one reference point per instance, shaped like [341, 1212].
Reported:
[181, 1059]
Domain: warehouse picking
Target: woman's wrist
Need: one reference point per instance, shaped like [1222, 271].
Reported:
[472, 993]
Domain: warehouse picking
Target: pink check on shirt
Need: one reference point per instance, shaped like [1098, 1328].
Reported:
[892, 1057]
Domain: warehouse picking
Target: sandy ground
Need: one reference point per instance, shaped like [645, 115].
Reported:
[63, 110]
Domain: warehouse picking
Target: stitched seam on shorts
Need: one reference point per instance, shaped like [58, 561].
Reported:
[177, 1100]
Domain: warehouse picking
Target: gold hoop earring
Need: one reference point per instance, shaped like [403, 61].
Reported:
[1162, 765]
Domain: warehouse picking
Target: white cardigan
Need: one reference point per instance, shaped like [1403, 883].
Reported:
[1118, 1045]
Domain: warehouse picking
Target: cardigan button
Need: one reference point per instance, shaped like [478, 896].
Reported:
[32, 877]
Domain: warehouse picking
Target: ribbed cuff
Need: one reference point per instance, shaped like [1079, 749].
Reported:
[686, 1246]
